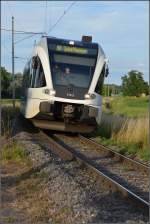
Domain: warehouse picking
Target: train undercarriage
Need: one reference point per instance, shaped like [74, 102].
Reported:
[66, 117]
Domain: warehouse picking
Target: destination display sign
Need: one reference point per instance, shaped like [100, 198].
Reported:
[72, 49]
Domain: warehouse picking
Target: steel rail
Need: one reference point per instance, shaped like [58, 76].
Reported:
[114, 153]
[62, 148]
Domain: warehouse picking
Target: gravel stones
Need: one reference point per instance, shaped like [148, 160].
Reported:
[73, 194]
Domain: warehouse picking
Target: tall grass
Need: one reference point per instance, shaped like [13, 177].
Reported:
[134, 131]
[131, 134]
[8, 114]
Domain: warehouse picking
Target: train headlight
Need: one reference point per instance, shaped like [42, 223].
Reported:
[89, 96]
[50, 92]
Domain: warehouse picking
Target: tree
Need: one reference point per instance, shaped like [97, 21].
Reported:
[18, 85]
[133, 84]
[111, 89]
[5, 82]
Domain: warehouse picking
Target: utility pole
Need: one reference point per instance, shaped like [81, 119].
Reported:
[13, 65]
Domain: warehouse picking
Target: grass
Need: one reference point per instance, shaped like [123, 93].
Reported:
[9, 219]
[127, 106]
[9, 102]
[130, 135]
[15, 152]
[8, 114]
[125, 124]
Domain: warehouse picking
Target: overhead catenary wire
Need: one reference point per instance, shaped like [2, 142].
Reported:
[21, 31]
[30, 33]
[18, 41]
[22, 58]
[60, 18]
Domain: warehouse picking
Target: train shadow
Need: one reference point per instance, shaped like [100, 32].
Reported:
[20, 124]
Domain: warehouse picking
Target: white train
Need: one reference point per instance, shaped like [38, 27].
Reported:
[62, 85]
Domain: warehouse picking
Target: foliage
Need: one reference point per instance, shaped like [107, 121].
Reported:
[111, 89]
[6, 83]
[8, 114]
[18, 85]
[128, 135]
[127, 106]
[14, 152]
[133, 84]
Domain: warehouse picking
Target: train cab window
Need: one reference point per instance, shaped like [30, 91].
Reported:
[25, 81]
[38, 77]
[99, 86]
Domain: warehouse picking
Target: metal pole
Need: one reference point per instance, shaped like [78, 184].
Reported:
[13, 73]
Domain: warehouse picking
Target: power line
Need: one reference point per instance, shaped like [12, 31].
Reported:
[25, 38]
[18, 57]
[60, 18]
[21, 31]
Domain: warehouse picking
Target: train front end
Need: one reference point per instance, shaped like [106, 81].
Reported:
[74, 79]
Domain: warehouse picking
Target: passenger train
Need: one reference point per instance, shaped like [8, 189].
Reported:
[62, 84]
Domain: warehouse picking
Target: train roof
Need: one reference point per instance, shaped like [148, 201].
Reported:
[81, 43]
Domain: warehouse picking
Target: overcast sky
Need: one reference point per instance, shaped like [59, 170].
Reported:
[121, 28]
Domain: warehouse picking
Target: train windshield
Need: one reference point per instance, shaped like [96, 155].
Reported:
[72, 68]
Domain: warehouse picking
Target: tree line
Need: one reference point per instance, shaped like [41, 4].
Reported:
[6, 83]
[133, 84]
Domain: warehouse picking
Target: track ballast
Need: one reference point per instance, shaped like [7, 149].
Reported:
[118, 172]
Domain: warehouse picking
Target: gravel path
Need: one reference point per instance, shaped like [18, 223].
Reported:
[71, 195]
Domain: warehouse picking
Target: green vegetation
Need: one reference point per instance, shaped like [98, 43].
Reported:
[8, 114]
[127, 106]
[9, 219]
[124, 124]
[6, 83]
[15, 152]
[111, 89]
[133, 84]
[130, 135]
[125, 148]
[9, 102]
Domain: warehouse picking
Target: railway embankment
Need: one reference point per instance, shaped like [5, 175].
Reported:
[40, 187]
[124, 126]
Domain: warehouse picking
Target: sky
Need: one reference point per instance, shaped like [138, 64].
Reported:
[120, 27]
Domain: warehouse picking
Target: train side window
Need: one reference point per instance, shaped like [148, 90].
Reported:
[32, 81]
[37, 73]
[33, 71]
[99, 86]
[25, 81]
[26, 74]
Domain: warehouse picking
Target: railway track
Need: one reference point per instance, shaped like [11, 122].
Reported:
[119, 173]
